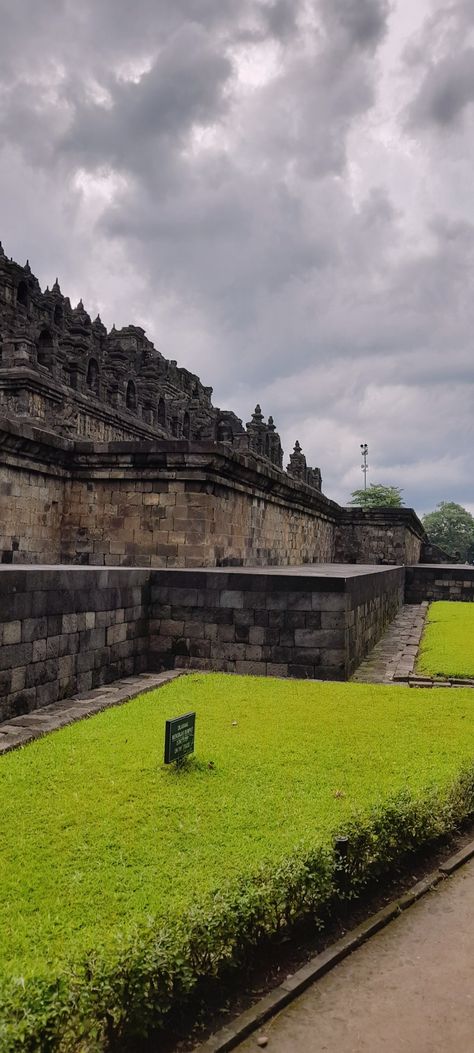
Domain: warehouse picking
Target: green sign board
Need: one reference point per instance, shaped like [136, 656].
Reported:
[179, 737]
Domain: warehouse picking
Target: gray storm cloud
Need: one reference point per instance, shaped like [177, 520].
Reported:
[280, 192]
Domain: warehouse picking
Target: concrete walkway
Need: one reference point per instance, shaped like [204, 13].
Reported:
[410, 989]
[395, 654]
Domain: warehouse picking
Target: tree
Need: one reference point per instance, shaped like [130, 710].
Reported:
[377, 496]
[451, 527]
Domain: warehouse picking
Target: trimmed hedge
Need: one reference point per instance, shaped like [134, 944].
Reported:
[126, 992]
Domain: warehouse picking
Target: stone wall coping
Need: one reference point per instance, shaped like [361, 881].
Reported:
[18, 577]
[317, 570]
[217, 462]
[460, 568]
[311, 578]
[328, 578]
[384, 514]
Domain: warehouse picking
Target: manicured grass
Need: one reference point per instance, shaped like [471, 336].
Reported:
[447, 646]
[100, 841]
[97, 833]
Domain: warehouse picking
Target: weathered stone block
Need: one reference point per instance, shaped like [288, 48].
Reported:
[41, 672]
[231, 598]
[5, 682]
[332, 619]
[11, 633]
[85, 661]
[329, 601]
[47, 693]
[250, 668]
[91, 639]
[301, 672]
[39, 651]
[15, 655]
[69, 623]
[277, 670]
[244, 618]
[299, 601]
[116, 634]
[34, 629]
[18, 679]
[66, 667]
[170, 628]
[276, 601]
[226, 633]
[199, 648]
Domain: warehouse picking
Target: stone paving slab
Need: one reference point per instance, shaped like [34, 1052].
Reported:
[18, 731]
[393, 659]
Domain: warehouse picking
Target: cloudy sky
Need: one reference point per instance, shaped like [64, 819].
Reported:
[281, 192]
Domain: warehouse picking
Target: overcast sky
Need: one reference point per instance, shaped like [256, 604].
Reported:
[281, 192]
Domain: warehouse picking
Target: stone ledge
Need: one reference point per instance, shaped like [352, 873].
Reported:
[24, 729]
[427, 681]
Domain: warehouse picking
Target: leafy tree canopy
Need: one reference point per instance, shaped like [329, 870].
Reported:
[377, 496]
[451, 527]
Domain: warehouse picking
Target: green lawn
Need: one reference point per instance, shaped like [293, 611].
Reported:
[447, 646]
[99, 838]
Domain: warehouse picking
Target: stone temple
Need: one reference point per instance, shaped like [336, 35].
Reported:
[100, 433]
[142, 528]
[78, 380]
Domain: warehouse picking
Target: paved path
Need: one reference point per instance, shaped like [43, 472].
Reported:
[410, 989]
[395, 654]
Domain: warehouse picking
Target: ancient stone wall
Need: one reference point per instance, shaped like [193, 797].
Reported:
[431, 553]
[65, 630]
[172, 504]
[374, 603]
[449, 582]
[266, 624]
[68, 629]
[379, 535]
[33, 477]
[190, 505]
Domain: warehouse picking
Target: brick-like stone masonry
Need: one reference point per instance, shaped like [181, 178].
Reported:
[170, 503]
[383, 535]
[274, 624]
[69, 630]
[451, 582]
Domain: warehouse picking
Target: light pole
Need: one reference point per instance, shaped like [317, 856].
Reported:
[364, 449]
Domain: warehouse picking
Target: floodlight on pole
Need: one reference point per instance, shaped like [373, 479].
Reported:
[364, 449]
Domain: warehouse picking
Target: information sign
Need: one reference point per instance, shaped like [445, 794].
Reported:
[179, 737]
